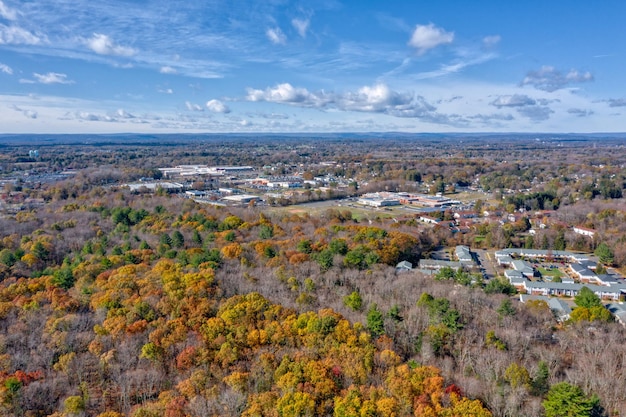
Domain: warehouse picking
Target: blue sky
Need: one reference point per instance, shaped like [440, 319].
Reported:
[76, 66]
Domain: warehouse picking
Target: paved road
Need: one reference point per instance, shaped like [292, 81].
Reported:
[486, 261]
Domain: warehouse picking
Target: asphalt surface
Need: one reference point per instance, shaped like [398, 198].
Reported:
[486, 262]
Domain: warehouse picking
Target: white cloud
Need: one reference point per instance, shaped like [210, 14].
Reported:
[13, 35]
[550, 79]
[166, 91]
[121, 113]
[6, 12]
[426, 37]
[52, 78]
[491, 41]
[6, 69]
[103, 45]
[276, 36]
[378, 98]
[193, 106]
[216, 106]
[301, 26]
[167, 70]
[515, 100]
[287, 94]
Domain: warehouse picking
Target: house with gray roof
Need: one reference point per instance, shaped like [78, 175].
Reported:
[541, 253]
[404, 266]
[608, 279]
[435, 264]
[561, 289]
[619, 312]
[560, 308]
[504, 260]
[584, 274]
[524, 268]
[463, 254]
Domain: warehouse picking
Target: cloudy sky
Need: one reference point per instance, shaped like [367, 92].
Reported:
[76, 66]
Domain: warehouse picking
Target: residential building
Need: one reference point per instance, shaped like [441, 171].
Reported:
[584, 231]
[463, 254]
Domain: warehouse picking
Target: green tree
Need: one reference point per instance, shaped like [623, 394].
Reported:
[559, 241]
[166, 240]
[540, 384]
[445, 273]
[566, 400]
[40, 251]
[7, 257]
[355, 259]
[394, 313]
[266, 231]
[269, 252]
[506, 308]
[304, 246]
[325, 259]
[500, 285]
[604, 254]
[354, 301]
[425, 300]
[375, 322]
[63, 277]
[587, 298]
[338, 246]
[178, 240]
[196, 238]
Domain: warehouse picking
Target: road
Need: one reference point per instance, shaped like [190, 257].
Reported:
[486, 261]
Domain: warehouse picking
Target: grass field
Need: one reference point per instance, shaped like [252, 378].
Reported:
[555, 273]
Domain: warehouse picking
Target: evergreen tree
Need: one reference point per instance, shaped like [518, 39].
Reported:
[196, 238]
[325, 259]
[165, 239]
[540, 384]
[559, 241]
[604, 254]
[587, 298]
[375, 322]
[178, 240]
[568, 400]
[506, 308]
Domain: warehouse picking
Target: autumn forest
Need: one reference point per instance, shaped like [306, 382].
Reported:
[146, 302]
